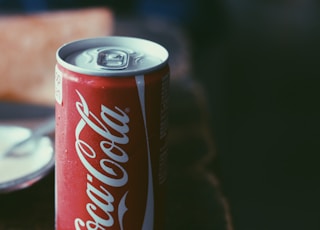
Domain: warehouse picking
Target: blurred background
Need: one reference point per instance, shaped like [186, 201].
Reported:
[258, 63]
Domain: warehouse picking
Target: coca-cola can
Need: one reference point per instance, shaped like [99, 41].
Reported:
[111, 134]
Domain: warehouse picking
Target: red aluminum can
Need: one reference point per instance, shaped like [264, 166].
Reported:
[111, 134]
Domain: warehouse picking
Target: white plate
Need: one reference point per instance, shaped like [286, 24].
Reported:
[17, 172]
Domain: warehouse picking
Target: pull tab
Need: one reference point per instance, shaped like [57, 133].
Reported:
[113, 59]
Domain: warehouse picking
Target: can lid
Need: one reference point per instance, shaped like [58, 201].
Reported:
[112, 56]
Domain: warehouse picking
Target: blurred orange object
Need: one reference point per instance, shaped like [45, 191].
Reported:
[28, 44]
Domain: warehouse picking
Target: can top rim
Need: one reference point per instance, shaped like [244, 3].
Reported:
[148, 48]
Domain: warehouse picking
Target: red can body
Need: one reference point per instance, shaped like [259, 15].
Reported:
[111, 146]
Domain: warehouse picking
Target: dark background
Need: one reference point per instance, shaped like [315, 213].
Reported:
[258, 62]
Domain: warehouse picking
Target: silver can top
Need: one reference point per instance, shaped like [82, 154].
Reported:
[112, 56]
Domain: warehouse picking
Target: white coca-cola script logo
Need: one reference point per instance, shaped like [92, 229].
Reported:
[112, 126]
